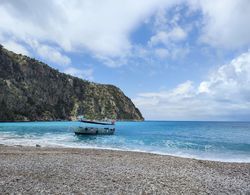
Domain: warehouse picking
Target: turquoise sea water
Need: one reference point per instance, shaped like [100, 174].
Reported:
[223, 141]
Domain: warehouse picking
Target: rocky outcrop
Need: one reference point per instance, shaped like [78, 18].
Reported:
[31, 90]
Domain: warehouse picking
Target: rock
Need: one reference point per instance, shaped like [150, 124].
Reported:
[38, 146]
[32, 91]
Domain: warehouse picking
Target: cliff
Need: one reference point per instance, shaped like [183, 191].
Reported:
[31, 90]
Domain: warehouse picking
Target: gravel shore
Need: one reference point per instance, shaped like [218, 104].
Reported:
[31, 170]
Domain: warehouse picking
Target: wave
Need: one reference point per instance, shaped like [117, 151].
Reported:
[66, 141]
[204, 141]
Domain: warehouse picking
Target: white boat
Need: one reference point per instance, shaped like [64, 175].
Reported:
[96, 127]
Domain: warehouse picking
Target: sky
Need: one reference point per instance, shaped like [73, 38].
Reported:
[176, 59]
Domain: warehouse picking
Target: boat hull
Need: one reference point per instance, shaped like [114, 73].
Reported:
[94, 131]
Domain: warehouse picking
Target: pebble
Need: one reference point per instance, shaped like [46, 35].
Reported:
[89, 171]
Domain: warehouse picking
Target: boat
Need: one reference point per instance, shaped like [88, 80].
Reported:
[93, 127]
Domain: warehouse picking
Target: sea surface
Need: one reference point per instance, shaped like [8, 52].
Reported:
[220, 141]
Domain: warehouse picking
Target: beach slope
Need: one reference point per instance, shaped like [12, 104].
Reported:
[30, 170]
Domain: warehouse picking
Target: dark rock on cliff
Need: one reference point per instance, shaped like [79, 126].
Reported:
[30, 90]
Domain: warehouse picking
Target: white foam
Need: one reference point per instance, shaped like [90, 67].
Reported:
[69, 141]
[44, 143]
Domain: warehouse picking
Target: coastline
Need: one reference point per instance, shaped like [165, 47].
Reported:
[141, 137]
[192, 157]
[26, 169]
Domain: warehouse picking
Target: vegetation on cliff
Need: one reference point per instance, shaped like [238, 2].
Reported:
[31, 90]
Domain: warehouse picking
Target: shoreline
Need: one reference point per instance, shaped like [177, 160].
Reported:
[29, 169]
[62, 148]
[126, 150]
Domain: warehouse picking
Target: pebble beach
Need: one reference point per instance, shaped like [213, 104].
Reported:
[38, 170]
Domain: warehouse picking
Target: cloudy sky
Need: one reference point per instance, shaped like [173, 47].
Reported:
[176, 59]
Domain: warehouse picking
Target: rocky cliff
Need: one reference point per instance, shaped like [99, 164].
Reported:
[31, 90]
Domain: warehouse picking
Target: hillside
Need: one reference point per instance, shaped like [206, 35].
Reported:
[31, 90]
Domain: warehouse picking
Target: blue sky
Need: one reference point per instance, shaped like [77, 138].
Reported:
[177, 60]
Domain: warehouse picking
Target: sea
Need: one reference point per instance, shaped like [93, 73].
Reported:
[217, 141]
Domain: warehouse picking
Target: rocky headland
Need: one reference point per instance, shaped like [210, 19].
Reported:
[30, 90]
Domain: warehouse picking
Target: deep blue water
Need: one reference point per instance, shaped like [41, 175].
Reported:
[224, 141]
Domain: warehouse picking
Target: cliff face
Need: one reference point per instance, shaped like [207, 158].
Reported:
[31, 90]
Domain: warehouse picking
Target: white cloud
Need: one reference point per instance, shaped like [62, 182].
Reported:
[230, 81]
[178, 52]
[161, 53]
[15, 47]
[81, 73]
[225, 22]
[99, 27]
[168, 41]
[51, 54]
[174, 35]
[225, 95]
[76, 26]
